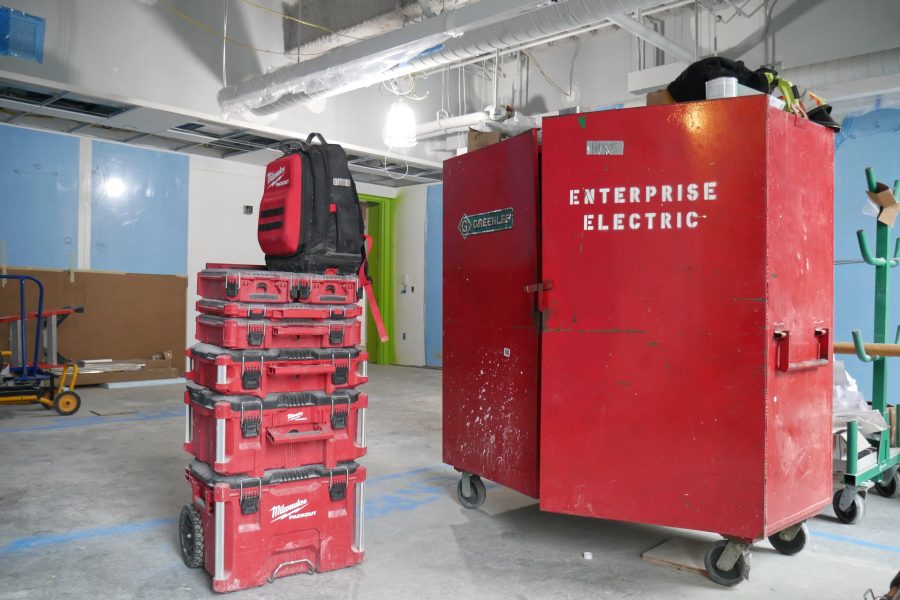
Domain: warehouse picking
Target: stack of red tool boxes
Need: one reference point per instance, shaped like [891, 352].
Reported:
[275, 424]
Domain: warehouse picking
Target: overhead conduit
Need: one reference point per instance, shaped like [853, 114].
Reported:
[487, 26]
[844, 70]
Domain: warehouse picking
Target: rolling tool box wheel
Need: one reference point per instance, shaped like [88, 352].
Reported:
[190, 533]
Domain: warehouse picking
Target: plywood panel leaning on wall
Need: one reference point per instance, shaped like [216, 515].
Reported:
[126, 316]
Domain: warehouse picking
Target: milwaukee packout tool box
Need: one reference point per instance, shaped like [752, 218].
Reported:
[253, 283]
[250, 435]
[288, 333]
[262, 372]
[249, 531]
[277, 312]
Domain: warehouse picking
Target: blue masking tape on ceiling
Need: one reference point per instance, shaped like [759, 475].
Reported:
[21, 35]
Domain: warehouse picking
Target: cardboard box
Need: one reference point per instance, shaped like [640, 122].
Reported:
[660, 97]
[866, 455]
[892, 422]
[889, 206]
[481, 139]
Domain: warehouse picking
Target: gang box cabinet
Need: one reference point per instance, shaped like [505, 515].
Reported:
[637, 320]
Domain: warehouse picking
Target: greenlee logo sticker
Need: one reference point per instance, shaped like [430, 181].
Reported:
[496, 220]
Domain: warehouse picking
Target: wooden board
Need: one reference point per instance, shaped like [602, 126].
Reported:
[126, 315]
[679, 553]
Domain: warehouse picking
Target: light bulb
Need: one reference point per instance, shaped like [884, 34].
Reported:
[400, 125]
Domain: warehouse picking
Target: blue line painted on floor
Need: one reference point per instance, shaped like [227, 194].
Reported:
[410, 497]
[846, 539]
[404, 499]
[93, 421]
[403, 474]
[407, 497]
[37, 541]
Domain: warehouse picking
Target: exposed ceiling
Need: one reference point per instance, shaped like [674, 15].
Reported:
[354, 20]
[346, 31]
[65, 112]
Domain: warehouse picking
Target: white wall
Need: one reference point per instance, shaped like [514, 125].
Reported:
[409, 262]
[218, 230]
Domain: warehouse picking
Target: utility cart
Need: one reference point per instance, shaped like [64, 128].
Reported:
[28, 382]
[637, 320]
[849, 501]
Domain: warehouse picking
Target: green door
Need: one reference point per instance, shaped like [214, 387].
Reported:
[379, 225]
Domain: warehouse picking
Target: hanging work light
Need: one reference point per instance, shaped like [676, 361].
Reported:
[400, 126]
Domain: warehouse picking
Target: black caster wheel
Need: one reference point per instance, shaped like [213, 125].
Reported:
[478, 495]
[733, 576]
[891, 488]
[793, 546]
[190, 534]
[67, 403]
[854, 513]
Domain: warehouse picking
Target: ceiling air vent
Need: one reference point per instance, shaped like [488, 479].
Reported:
[21, 35]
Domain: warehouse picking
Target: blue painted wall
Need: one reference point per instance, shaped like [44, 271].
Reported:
[434, 276]
[38, 197]
[870, 140]
[139, 210]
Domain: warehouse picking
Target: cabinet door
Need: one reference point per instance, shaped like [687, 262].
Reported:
[491, 327]
[654, 349]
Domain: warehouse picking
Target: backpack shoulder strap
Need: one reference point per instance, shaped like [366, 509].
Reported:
[370, 295]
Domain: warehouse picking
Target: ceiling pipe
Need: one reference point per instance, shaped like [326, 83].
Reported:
[451, 124]
[553, 20]
[364, 63]
[488, 26]
[844, 70]
[652, 37]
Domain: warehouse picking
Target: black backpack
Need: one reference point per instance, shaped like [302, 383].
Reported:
[311, 188]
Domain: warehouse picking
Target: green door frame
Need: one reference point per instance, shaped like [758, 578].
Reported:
[383, 353]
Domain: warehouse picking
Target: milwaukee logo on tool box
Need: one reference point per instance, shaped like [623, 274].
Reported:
[254, 530]
[246, 434]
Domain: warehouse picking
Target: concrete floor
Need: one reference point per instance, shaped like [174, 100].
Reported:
[88, 506]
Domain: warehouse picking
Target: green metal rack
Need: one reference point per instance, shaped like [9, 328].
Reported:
[849, 503]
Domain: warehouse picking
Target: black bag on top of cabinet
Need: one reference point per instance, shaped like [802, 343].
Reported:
[310, 218]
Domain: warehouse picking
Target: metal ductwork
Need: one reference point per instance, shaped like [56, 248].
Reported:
[550, 21]
[843, 70]
[486, 27]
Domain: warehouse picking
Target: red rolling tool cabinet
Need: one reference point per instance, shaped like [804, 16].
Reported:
[660, 311]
